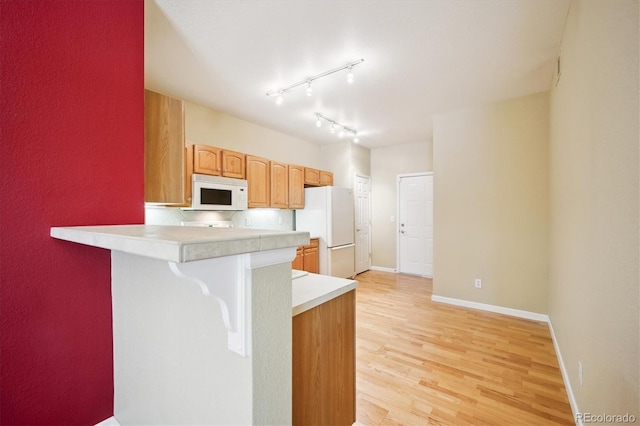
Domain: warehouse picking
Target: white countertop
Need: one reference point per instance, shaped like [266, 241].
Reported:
[312, 290]
[180, 243]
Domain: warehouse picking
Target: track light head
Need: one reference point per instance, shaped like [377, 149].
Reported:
[279, 99]
[309, 90]
[350, 75]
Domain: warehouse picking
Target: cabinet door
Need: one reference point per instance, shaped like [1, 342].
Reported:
[324, 386]
[298, 262]
[279, 185]
[164, 161]
[296, 187]
[233, 164]
[311, 259]
[188, 184]
[311, 176]
[258, 174]
[207, 160]
[326, 178]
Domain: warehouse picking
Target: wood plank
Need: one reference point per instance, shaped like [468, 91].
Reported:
[420, 362]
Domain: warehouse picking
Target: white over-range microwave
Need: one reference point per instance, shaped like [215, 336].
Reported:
[218, 193]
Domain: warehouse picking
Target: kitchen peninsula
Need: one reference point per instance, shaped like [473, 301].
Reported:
[181, 357]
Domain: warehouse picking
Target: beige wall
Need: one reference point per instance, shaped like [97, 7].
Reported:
[491, 206]
[208, 127]
[594, 280]
[386, 164]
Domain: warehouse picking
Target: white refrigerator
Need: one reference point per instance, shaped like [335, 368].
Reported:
[329, 215]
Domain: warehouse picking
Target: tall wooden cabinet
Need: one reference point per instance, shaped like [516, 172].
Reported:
[165, 167]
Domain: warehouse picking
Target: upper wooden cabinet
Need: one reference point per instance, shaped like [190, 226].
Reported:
[315, 177]
[296, 187]
[165, 174]
[326, 178]
[258, 180]
[233, 164]
[207, 160]
[279, 185]
[311, 176]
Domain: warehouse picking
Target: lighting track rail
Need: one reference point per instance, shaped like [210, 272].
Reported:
[278, 93]
[335, 126]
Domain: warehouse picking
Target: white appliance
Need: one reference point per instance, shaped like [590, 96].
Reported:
[329, 215]
[218, 193]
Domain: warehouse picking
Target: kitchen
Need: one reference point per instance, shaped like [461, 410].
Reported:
[56, 338]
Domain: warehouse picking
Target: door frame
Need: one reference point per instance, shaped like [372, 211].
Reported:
[398, 177]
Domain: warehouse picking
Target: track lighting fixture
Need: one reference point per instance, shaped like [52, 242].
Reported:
[278, 93]
[344, 130]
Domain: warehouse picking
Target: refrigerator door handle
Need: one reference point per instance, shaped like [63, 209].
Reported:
[342, 247]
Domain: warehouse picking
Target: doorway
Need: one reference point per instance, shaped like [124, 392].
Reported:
[362, 193]
[415, 224]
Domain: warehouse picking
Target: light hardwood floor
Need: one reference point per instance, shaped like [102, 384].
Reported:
[419, 362]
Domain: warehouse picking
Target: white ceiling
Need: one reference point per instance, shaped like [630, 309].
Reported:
[421, 58]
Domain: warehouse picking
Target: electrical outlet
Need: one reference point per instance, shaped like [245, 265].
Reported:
[247, 221]
[580, 371]
[478, 283]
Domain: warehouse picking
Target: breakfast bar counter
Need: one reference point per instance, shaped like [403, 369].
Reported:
[202, 322]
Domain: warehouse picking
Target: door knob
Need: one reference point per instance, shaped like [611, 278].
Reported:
[402, 232]
[402, 224]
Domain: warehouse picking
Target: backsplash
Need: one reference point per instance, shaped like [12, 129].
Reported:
[253, 218]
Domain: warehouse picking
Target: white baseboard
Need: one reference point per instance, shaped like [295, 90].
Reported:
[565, 377]
[111, 421]
[492, 308]
[380, 268]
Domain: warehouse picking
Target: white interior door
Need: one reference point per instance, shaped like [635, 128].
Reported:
[363, 223]
[415, 224]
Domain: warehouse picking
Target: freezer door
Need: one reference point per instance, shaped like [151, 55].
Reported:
[340, 221]
[341, 261]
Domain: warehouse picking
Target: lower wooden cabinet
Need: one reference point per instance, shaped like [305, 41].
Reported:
[307, 258]
[324, 388]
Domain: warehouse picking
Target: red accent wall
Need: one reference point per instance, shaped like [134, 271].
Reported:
[71, 153]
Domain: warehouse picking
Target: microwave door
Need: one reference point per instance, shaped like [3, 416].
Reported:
[216, 197]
